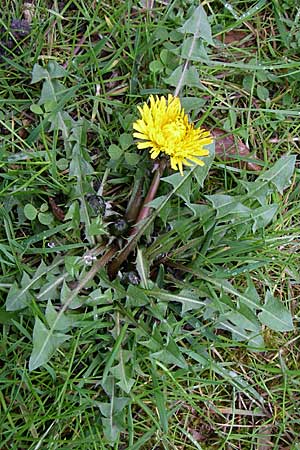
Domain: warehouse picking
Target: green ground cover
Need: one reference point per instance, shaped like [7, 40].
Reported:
[182, 332]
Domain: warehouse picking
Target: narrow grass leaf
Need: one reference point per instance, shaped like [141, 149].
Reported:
[230, 376]
[190, 437]
[140, 443]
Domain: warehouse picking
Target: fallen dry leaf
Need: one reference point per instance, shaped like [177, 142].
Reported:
[228, 147]
[28, 11]
[57, 211]
[202, 434]
[264, 441]
[233, 36]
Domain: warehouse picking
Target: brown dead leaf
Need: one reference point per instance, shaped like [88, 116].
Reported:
[202, 433]
[229, 147]
[233, 36]
[57, 211]
[28, 11]
[264, 441]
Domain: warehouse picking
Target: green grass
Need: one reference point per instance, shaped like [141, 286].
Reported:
[191, 345]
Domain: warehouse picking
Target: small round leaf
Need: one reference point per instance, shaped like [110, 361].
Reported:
[45, 218]
[36, 109]
[30, 211]
[156, 67]
[115, 152]
[44, 207]
[262, 92]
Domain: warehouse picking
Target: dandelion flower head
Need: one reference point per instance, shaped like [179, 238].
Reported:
[164, 128]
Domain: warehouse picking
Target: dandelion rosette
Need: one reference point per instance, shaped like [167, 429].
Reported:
[164, 128]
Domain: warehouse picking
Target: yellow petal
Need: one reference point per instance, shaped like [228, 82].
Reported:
[139, 126]
[203, 152]
[206, 141]
[196, 160]
[142, 145]
[180, 168]
[140, 136]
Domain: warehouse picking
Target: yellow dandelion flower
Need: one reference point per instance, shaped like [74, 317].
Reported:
[165, 128]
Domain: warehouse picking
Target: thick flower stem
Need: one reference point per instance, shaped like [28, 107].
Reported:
[144, 213]
[145, 210]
